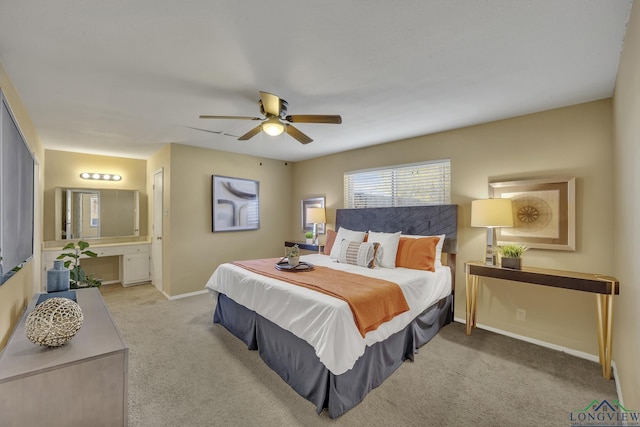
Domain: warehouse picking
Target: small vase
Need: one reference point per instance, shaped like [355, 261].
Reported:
[58, 278]
[309, 241]
[514, 263]
[293, 261]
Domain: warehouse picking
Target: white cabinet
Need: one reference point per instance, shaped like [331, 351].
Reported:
[134, 260]
[107, 250]
[136, 265]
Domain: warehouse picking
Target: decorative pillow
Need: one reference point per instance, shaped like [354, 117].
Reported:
[438, 261]
[362, 254]
[417, 253]
[439, 247]
[386, 257]
[328, 244]
[345, 234]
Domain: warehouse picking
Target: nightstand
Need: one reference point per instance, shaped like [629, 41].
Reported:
[304, 246]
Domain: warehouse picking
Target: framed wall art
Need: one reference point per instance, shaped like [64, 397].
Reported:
[314, 202]
[544, 213]
[236, 204]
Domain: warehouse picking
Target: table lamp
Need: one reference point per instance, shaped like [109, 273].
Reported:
[491, 213]
[316, 216]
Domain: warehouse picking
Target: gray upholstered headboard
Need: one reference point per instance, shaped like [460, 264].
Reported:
[419, 220]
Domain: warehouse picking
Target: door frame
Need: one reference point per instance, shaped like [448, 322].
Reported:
[157, 216]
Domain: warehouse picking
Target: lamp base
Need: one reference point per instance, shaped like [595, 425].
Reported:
[489, 258]
[490, 255]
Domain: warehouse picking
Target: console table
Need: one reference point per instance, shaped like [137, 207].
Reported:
[605, 287]
[82, 383]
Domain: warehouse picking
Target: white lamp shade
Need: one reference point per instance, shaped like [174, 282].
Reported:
[491, 213]
[316, 216]
[272, 126]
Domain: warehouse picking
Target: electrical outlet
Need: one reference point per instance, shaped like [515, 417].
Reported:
[521, 314]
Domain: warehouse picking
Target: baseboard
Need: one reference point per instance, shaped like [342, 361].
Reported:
[136, 284]
[576, 353]
[190, 294]
[617, 380]
[580, 354]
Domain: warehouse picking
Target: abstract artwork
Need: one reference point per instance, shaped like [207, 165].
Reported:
[543, 212]
[236, 204]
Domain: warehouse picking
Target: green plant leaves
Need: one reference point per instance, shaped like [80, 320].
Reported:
[77, 275]
[512, 250]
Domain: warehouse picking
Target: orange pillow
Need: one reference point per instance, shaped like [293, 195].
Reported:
[419, 254]
[331, 238]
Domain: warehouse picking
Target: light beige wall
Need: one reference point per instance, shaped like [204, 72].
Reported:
[64, 169]
[574, 141]
[194, 250]
[16, 292]
[626, 108]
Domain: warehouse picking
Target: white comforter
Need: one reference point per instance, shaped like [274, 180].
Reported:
[325, 322]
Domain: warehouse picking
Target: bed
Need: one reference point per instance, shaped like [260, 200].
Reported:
[309, 338]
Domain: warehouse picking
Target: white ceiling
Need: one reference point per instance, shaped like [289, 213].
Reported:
[123, 78]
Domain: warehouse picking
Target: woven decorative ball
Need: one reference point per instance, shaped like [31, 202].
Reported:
[54, 322]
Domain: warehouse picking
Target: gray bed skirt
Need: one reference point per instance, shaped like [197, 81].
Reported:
[297, 364]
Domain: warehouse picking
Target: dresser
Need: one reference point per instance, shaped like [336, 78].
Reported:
[82, 383]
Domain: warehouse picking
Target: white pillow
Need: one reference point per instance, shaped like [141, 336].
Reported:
[355, 253]
[438, 260]
[345, 234]
[388, 247]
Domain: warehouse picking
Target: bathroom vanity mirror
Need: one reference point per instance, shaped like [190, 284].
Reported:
[89, 213]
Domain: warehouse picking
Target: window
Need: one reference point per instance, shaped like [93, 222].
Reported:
[414, 184]
[16, 195]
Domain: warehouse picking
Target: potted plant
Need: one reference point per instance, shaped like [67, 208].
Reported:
[78, 277]
[511, 255]
[309, 236]
[293, 256]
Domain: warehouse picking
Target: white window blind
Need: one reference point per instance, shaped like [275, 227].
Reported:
[403, 185]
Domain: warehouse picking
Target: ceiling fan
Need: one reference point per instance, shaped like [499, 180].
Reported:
[276, 120]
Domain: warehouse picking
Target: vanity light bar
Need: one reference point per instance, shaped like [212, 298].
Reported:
[100, 176]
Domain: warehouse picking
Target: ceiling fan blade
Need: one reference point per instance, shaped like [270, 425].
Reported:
[218, 132]
[270, 103]
[253, 132]
[295, 133]
[231, 117]
[206, 130]
[314, 118]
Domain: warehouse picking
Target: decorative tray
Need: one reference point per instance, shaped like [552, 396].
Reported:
[302, 266]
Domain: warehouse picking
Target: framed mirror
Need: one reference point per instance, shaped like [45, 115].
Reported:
[90, 213]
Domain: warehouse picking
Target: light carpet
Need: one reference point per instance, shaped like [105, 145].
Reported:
[186, 371]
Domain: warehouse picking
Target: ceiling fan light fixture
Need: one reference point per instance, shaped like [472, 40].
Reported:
[275, 120]
[272, 126]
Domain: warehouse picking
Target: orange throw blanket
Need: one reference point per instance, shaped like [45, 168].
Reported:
[372, 301]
